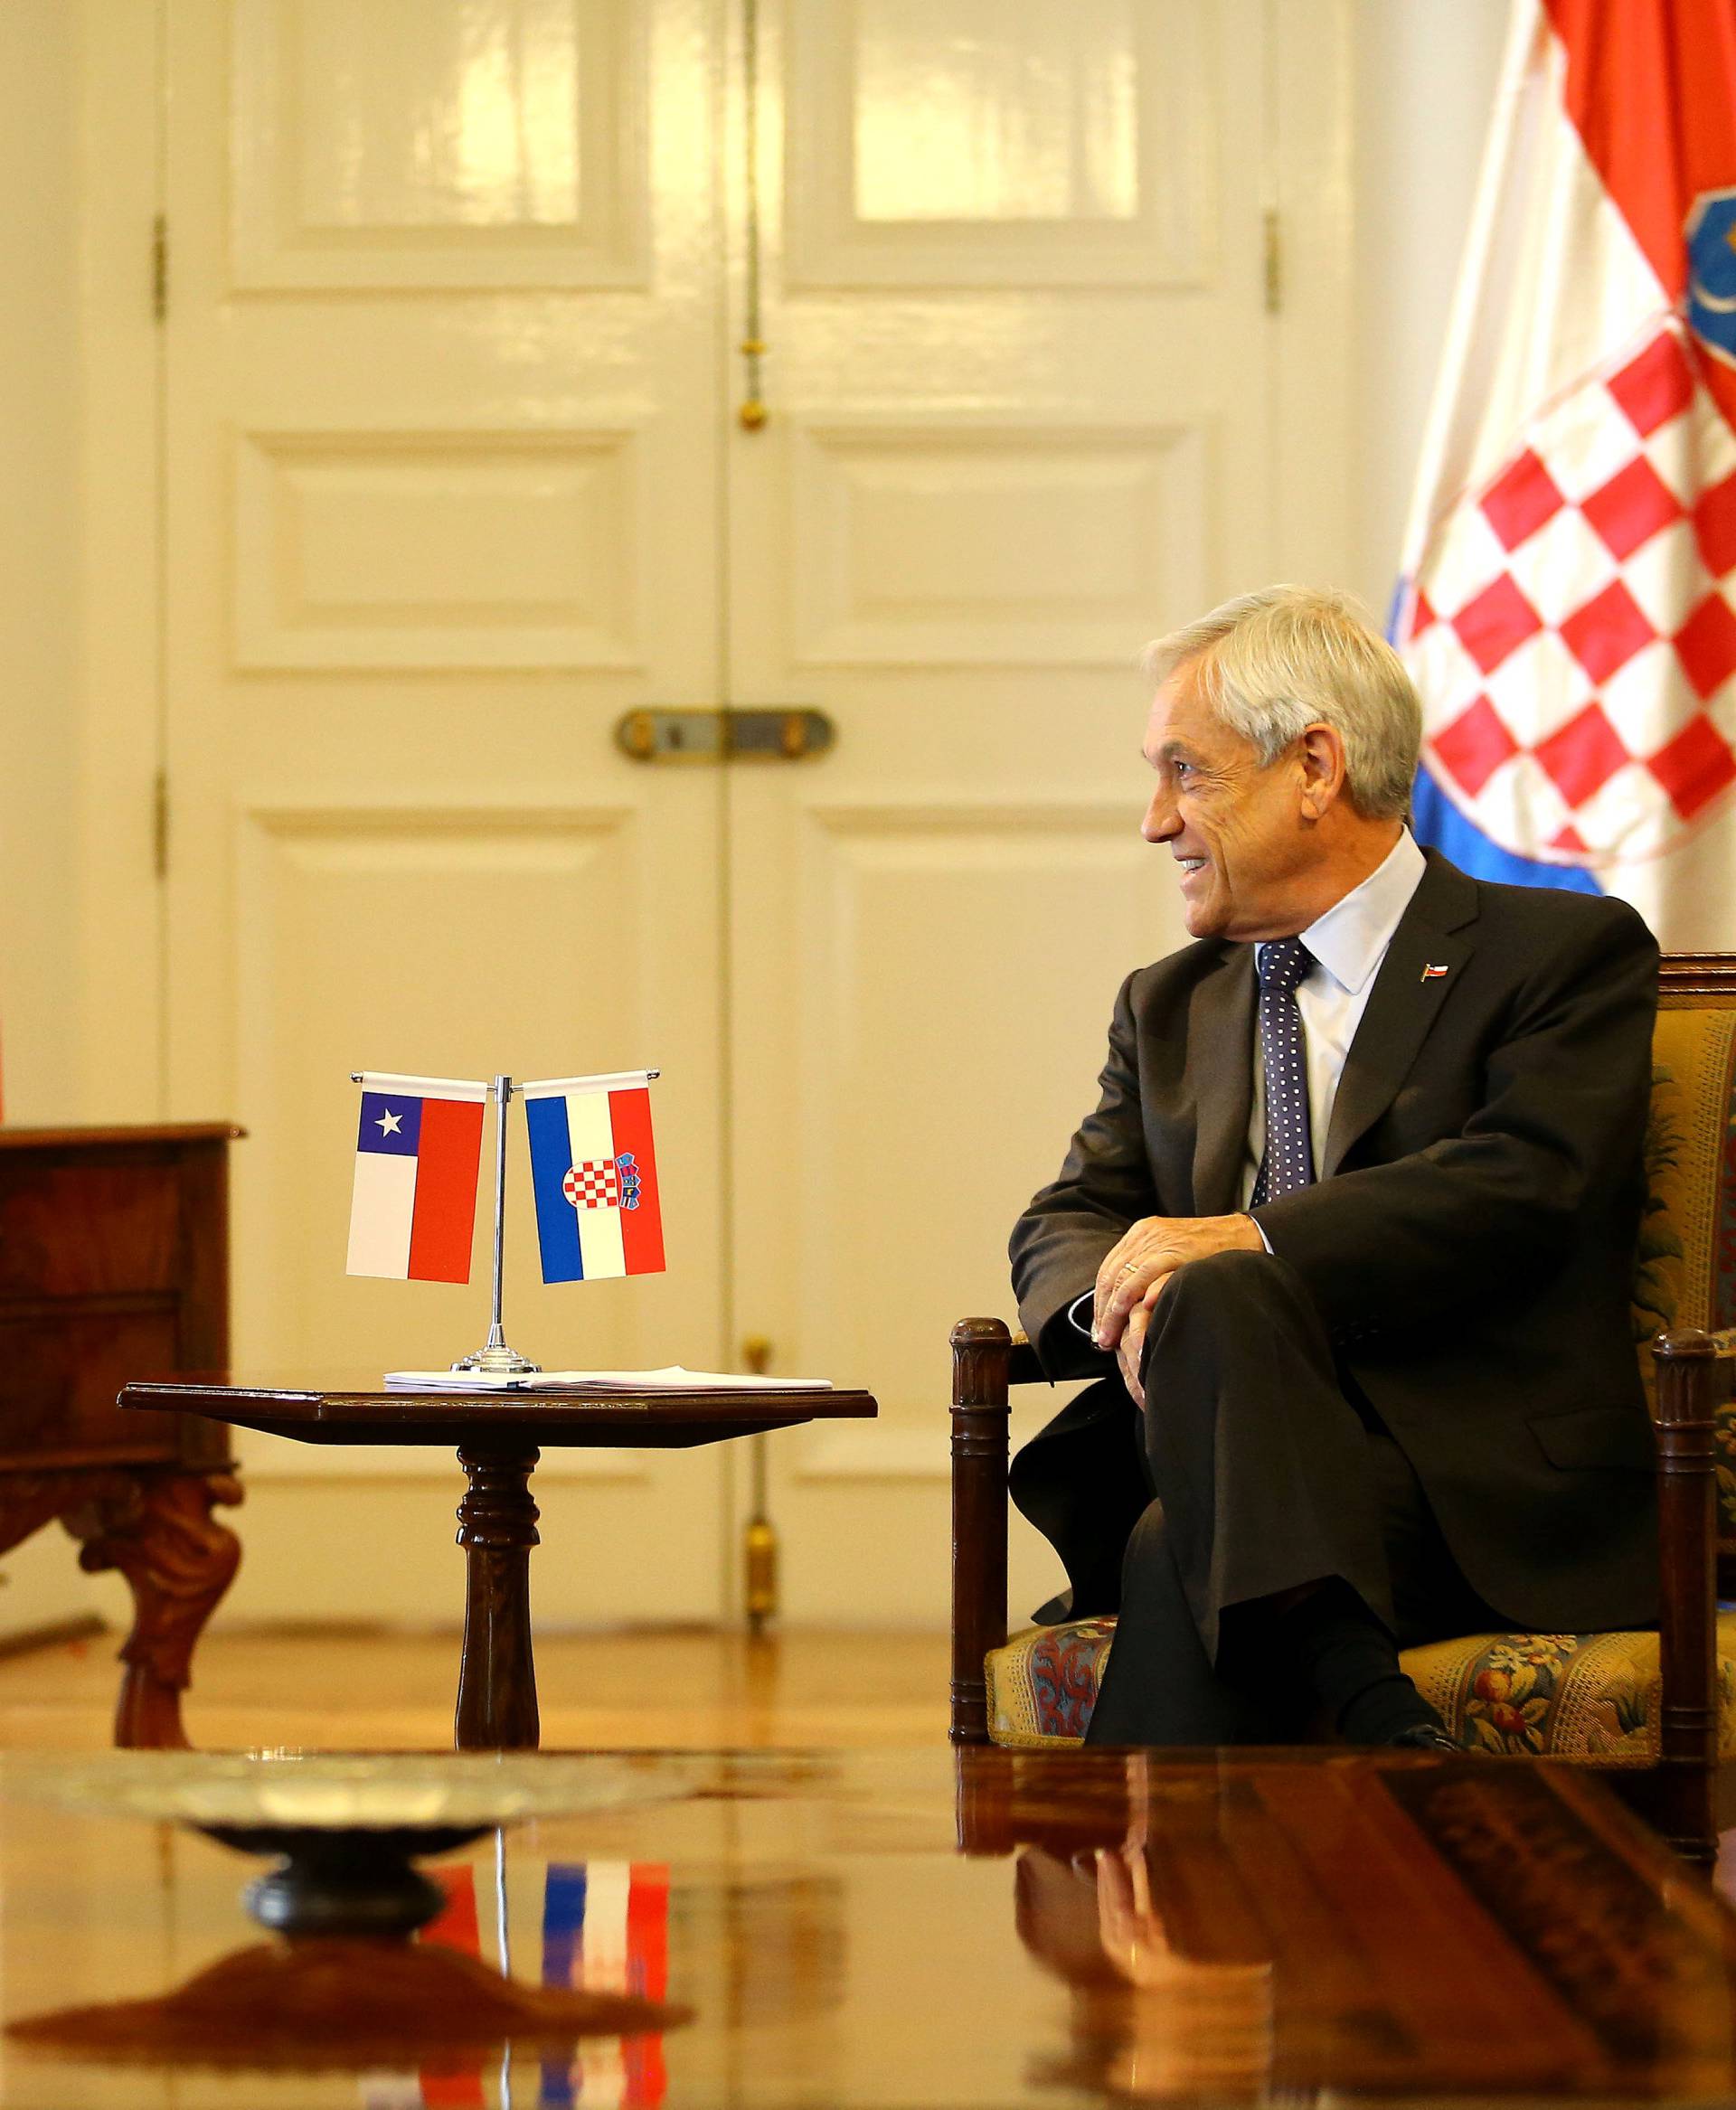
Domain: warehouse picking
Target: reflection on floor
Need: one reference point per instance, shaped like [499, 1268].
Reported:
[1298, 1928]
[338, 1689]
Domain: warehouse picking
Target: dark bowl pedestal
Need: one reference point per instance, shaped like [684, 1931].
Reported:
[357, 1881]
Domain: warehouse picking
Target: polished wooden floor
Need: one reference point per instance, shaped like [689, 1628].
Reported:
[889, 1930]
[339, 1689]
[861, 1917]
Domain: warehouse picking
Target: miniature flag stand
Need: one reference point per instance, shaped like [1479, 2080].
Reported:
[593, 1168]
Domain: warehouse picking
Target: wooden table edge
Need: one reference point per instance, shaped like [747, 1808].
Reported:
[550, 1411]
[141, 1134]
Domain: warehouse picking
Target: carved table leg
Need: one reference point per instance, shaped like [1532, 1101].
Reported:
[497, 1527]
[156, 1528]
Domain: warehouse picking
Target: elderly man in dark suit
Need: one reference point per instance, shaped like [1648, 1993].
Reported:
[1347, 1239]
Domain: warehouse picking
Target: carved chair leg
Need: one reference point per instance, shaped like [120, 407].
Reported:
[1687, 1638]
[156, 1528]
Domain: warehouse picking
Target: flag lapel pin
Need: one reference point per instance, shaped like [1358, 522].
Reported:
[1431, 973]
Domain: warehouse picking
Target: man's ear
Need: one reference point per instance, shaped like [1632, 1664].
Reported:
[1322, 752]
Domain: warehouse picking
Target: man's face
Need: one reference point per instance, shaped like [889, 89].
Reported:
[1236, 830]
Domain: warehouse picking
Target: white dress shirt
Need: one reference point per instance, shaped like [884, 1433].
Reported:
[1348, 942]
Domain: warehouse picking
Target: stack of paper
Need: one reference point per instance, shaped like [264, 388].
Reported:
[674, 1379]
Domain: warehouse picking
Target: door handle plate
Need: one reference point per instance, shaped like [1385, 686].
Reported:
[795, 733]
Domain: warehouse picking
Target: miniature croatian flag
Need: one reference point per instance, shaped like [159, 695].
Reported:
[594, 1172]
[418, 1150]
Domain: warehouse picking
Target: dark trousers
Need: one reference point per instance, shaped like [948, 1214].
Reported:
[1267, 1473]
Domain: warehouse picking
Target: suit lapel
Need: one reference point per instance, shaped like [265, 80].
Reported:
[1220, 1060]
[1403, 1004]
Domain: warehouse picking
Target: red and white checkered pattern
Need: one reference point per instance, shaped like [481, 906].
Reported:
[1573, 633]
[595, 1184]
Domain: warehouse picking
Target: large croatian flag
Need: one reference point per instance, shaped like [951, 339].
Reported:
[594, 1173]
[1568, 601]
[418, 1149]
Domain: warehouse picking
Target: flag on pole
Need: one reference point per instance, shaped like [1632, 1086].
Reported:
[418, 1151]
[594, 1174]
[1568, 607]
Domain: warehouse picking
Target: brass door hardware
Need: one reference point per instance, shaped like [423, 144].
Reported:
[774, 735]
[759, 1541]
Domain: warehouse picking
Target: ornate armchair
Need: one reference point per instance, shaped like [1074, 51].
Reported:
[1658, 1710]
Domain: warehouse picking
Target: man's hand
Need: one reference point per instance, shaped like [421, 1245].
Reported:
[1129, 1350]
[1137, 1944]
[1133, 1273]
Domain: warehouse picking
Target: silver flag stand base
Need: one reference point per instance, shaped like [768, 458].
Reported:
[495, 1359]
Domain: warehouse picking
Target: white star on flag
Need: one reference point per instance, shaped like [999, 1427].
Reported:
[390, 1123]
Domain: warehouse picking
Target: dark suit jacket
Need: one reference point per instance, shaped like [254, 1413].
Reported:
[1470, 1247]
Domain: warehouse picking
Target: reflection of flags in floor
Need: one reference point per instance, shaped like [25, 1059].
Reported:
[1568, 603]
[606, 1928]
[455, 1928]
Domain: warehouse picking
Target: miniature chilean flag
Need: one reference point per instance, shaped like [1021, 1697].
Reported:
[594, 1172]
[418, 1151]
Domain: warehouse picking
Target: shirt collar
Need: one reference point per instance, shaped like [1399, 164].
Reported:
[1350, 940]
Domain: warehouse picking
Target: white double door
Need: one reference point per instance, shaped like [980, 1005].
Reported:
[453, 477]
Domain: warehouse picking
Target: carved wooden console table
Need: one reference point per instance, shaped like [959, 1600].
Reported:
[114, 1260]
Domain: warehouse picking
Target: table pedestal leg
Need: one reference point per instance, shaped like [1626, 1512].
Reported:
[497, 1527]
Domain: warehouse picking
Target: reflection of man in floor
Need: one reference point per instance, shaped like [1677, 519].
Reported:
[1149, 2022]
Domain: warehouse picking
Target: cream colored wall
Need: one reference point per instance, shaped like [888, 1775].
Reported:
[39, 552]
[1426, 72]
[40, 1581]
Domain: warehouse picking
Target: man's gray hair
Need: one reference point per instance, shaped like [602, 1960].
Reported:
[1271, 664]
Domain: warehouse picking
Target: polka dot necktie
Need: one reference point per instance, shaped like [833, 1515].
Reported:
[1289, 1163]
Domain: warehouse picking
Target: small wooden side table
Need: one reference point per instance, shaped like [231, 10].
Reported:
[114, 1256]
[497, 1438]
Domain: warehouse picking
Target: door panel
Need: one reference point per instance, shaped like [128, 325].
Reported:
[422, 144]
[960, 542]
[1007, 143]
[379, 547]
[441, 477]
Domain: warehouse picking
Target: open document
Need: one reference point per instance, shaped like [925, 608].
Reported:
[673, 1379]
